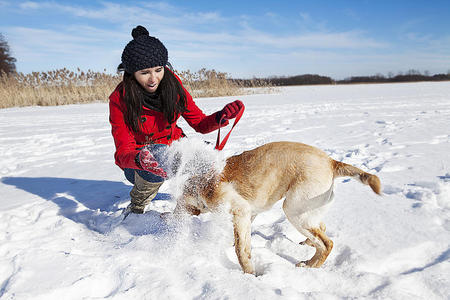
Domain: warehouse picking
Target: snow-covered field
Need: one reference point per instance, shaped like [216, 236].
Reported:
[60, 192]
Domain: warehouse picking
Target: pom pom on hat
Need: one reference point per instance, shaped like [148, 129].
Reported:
[138, 31]
[143, 52]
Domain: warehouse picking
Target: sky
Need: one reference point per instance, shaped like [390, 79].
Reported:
[243, 38]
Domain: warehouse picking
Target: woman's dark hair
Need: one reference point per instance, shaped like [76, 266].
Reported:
[171, 93]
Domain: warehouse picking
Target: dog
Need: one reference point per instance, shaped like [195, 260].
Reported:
[253, 181]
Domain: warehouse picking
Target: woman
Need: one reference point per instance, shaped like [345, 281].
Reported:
[144, 109]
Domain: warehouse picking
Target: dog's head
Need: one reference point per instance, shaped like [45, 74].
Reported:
[199, 191]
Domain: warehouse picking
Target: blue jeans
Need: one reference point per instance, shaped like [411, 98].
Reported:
[159, 152]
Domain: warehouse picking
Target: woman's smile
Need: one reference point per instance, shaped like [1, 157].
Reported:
[150, 78]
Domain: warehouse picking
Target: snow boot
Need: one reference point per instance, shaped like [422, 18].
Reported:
[142, 193]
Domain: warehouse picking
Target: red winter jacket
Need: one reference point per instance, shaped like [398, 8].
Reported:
[155, 128]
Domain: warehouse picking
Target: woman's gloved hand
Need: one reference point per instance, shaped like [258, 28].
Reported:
[230, 111]
[148, 162]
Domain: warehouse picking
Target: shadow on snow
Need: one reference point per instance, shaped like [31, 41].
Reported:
[93, 203]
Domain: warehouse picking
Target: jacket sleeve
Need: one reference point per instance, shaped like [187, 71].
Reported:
[126, 148]
[197, 119]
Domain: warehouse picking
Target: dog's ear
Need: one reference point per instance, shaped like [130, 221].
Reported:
[201, 185]
[192, 210]
[182, 207]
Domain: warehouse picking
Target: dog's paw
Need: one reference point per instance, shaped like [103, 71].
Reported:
[302, 264]
[322, 227]
[306, 264]
[250, 271]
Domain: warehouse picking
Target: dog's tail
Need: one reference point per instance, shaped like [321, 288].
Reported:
[342, 169]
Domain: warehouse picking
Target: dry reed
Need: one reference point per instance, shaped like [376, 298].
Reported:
[209, 83]
[60, 87]
[56, 87]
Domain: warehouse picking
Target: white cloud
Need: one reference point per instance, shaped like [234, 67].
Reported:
[203, 18]
[161, 6]
[43, 49]
[29, 5]
[308, 23]
[338, 40]
[305, 17]
[351, 14]
[155, 12]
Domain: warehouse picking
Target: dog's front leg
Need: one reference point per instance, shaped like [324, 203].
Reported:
[242, 239]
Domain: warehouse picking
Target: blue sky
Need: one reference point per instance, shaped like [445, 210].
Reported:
[243, 38]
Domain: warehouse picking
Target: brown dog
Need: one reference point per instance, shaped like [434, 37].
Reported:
[253, 181]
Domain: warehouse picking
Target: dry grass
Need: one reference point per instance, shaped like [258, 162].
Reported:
[209, 83]
[57, 87]
[60, 87]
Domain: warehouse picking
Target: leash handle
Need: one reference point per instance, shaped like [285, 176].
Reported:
[221, 145]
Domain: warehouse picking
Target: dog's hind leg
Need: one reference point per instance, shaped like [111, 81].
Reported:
[323, 246]
[308, 242]
[315, 237]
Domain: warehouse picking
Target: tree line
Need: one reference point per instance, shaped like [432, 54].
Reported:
[312, 79]
[410, 76]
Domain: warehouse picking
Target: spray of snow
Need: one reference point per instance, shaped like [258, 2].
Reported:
[189, 157]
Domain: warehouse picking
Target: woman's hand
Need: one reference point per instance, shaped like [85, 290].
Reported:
[148, 162]
[230, 111]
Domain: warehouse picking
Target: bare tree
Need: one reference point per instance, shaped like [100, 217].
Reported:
[413, 72]
[7, 62]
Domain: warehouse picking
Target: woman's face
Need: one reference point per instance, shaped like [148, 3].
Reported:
[150, 78]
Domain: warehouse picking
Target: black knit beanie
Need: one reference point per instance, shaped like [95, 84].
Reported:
[143, 52]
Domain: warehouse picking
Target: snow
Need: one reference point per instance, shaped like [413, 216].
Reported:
[61, 196]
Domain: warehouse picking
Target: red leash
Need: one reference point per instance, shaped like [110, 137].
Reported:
[220, 145]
